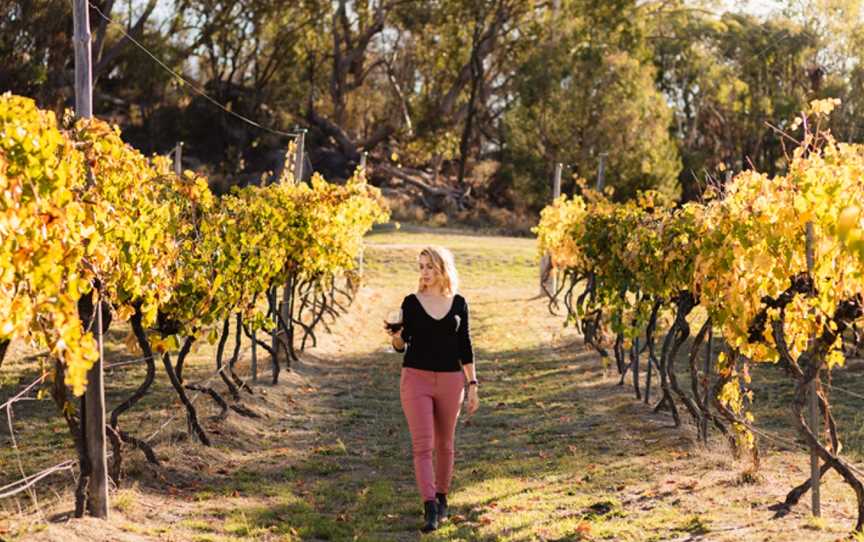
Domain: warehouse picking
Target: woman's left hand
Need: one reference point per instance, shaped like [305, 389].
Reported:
[473, 400]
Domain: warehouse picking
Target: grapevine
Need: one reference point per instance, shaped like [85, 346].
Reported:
[740, 255]
[87, 219]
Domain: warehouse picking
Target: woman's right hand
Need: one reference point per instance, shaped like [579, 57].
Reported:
[396, 340]
[393, 334]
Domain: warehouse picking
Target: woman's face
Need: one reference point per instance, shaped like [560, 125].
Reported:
[428, 273]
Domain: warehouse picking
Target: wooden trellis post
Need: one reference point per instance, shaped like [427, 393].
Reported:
[284, 307]
[813, 401]
[93, 417]
[178, 159]
[548, 282]
[601, 172]
[361, 255]
[300, 156]
[707, 383]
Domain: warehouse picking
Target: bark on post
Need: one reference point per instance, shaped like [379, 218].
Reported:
[601, 172]
[299, 157]
[548, 282]
[273, 313]
[94, 397]
[360, 255]
[178, 159]
[83, 60]
[813, 421]
[254, 357]
[707, 382]
[94, 431]
[285, 314]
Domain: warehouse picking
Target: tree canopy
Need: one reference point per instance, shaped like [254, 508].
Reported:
[485, 94]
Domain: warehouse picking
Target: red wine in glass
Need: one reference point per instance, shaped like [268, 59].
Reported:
[394, 321]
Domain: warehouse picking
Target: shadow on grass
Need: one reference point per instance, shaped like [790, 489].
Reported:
[357, 482]
[544, 429]
[551, 433]
[773, 396]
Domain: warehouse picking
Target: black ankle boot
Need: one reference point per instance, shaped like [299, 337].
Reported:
[441, 500]
[430, 509]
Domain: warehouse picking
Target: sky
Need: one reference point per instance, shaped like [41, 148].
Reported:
[757, 7]
[752, 5]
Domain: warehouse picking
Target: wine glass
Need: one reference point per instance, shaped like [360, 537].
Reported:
[393, 323]
[394, 320]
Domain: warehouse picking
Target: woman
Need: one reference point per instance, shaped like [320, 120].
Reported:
[436, 332]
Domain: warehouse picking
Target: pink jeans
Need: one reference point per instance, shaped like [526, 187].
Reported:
[431, 402]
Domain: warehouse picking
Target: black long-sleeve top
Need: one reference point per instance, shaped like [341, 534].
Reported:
[436, 345]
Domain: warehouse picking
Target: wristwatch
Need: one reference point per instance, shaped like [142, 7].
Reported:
[472, 383]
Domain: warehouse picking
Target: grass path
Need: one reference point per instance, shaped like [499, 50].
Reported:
[556, 452]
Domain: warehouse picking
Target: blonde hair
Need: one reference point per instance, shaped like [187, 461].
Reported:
[443, 262]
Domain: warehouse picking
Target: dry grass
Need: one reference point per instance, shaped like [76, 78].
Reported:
[557, 451]
[482, 216]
